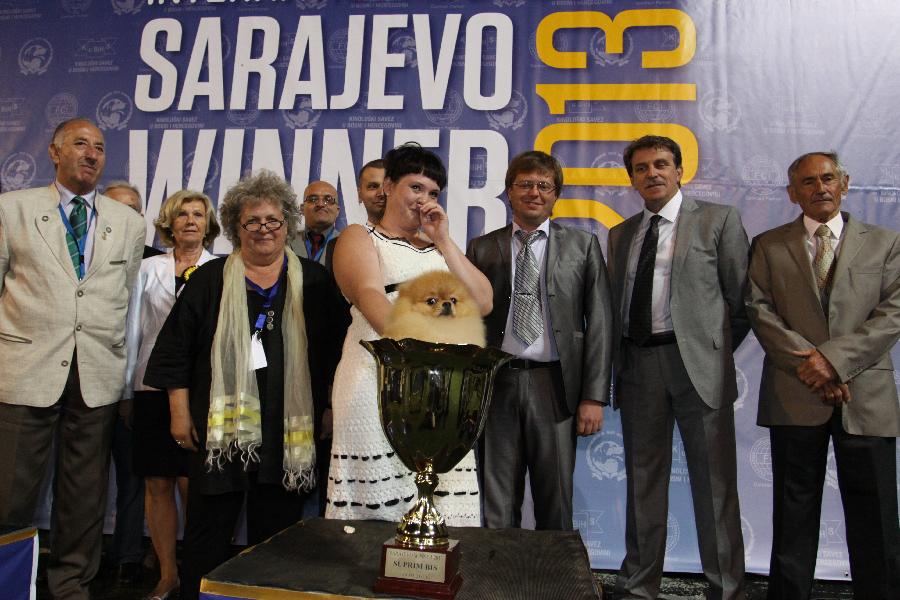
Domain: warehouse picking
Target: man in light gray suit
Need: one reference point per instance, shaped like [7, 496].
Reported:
[678, 271]
[68, 257]
[824, 301]
[558, 324]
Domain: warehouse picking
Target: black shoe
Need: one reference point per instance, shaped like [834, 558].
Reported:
[129, 573]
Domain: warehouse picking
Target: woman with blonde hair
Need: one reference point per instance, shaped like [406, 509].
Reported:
[187, 225]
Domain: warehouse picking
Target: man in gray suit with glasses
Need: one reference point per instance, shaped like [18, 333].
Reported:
[678, 270]
[552, 311]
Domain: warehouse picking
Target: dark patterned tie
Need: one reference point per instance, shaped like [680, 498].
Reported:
[640, 315]
[315, 242]
[528, 322]
[78, 221]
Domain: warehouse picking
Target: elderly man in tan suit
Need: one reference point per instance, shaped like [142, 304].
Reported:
[68, 256]
[824, 301]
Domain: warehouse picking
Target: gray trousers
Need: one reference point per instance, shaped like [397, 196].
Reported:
[83, 439]
[528, 428]
[654, 392]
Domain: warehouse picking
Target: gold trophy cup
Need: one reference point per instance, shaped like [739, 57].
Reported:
[433, 401]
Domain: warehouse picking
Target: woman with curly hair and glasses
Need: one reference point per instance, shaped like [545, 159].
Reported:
[246, 357]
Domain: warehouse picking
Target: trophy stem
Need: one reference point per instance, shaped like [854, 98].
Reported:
[423, 526]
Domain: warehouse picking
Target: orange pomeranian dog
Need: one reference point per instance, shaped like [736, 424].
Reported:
[436, 307]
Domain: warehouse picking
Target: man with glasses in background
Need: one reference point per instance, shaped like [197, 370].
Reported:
[320, 211]
[553, 312]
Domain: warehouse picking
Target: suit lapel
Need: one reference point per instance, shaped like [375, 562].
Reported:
[104, 236]
[553, 253]
[623, 255]
[852, 241]
[50, 226]
[796, 243]
[684, 233]
[504, 284]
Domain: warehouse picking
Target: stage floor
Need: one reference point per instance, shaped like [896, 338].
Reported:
[675, 586]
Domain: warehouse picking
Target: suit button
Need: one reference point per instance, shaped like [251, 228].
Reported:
[78, 328]
[65, 363]
[80, 293]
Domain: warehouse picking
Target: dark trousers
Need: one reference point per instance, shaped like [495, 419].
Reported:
[867, 478]
[211, 519]
[654, 393]
[128, 538]
[83, 437]
[529, 427]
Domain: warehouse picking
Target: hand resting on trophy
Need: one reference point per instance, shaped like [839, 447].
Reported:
[436, 307]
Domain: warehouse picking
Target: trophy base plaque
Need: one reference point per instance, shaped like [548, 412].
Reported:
[422, 573]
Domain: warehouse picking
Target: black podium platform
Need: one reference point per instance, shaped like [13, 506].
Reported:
[318, 560]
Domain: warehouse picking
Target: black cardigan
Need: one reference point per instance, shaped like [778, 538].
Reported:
[181, 359]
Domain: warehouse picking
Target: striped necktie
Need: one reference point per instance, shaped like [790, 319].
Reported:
[78, 221]
[528, 321]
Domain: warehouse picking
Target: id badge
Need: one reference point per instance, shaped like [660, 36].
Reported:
[257, 353]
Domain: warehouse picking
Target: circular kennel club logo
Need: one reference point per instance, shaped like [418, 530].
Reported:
[654, 111]
[302, 117]
[17, 171]
[35, 56]
[247, 115]
[720, 112]
[609, 160]
[446, 117]
[605, 456]
[512, 116]
[61, 107]
[126, 7]
[75, 7]
[405, 44]
[763, 175]
[761, 458]
[597, 48]
[743, 386]
[212, 171]
[114, 111]
[673, 533]
[337, 46]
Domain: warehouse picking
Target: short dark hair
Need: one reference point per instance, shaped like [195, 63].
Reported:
[378, 163]
[831, 155]
[413, 158]
[657, 142]
[531, 161]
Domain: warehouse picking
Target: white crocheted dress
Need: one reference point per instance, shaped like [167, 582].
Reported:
[366, 480]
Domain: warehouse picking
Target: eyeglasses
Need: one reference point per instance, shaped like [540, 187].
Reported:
[327, 200]
[543, 187]
[256, 226]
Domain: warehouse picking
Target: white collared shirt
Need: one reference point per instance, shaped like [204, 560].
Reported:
[661, 315]
[65, 201]
[544, 347]
[835, 225]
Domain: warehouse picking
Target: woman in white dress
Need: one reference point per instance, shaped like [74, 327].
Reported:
[366, 480]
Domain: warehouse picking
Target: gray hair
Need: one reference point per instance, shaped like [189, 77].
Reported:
[122, 185]
[262, 186]
[831, 155]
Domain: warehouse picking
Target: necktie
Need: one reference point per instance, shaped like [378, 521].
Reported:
[528, 322]
[824, 256]
[640, 313]
[78, 221]
[315, 242]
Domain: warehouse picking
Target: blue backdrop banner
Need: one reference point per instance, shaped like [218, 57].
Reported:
[195, 93]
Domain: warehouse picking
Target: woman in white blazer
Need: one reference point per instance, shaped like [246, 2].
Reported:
[187, 224]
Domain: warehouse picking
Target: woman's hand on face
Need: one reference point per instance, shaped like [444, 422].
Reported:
[435, 223]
